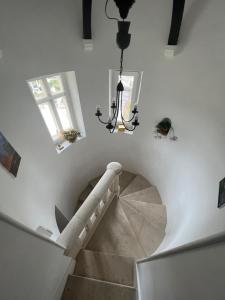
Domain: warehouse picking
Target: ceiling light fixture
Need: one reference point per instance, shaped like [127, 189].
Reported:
[123, 42]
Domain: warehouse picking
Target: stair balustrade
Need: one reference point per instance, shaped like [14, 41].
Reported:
[81, 227]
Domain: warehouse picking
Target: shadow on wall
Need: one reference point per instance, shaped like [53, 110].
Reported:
[61, 220]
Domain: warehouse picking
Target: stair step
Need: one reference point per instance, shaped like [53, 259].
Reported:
[137, 184]
[105, 267]
[125, 179]
[149, 195]
[148, 221]
[83, 288]
[114, 234]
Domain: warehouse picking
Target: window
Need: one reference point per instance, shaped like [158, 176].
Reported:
[57, 98]
[132, 84]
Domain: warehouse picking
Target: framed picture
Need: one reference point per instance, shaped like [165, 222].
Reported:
[221, 200]
[9, 158]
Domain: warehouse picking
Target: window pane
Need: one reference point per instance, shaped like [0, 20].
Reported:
[63, 112]
[55, 84]
[128, 82]
[38, 89]
[49, 119]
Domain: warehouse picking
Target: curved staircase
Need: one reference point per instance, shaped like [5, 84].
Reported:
[132, 227]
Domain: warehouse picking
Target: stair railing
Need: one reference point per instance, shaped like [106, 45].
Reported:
[84, 223]
[189, 247]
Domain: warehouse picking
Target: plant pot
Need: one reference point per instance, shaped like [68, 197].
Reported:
[71, 135]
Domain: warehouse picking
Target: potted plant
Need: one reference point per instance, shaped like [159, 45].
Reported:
[71, 135]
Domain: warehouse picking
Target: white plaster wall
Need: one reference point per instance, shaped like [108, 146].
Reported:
[44, 38]
[198, 274]
[36, 39]
[31, 268]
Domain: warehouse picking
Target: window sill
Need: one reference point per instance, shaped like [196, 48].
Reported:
[64, 145]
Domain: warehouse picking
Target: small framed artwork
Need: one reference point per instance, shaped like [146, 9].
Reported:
[221, 200]
[9, 158]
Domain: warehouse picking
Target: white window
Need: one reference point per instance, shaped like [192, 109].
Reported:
[132, 84]
[57, 98]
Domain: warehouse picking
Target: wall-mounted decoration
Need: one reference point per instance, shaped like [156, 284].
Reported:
[9, 158]
[165, 129]
[221, 199]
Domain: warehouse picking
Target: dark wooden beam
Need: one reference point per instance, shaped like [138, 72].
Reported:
[87, 7]
[176, 21]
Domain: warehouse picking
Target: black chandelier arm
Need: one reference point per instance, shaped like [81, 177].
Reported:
[128, 129]
[117, 106]
[117, 113]
[123, 121]
[127, 121]
[116, 120]
[121, 103]
[102, 121]
[114, 113]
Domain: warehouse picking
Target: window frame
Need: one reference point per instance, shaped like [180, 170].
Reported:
[50, 100]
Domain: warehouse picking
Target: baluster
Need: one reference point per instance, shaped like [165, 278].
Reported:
[117, 185]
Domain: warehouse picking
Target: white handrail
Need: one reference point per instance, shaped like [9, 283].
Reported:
[205, 242]
[83, 224]
[21, 227]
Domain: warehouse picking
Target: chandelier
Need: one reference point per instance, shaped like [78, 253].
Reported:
[123, 42]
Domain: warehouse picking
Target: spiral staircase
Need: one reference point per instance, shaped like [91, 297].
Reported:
[133, 227]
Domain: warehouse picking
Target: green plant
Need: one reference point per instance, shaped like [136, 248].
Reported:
[71, 135]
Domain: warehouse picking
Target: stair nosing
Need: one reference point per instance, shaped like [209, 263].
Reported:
[110, 254]
[153, 204]
[147, 203]
[150, 187]
[103, 281]
[137, 175]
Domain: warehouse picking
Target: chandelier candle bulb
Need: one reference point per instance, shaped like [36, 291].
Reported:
[113, 105]
[135, 111]
[98, 112]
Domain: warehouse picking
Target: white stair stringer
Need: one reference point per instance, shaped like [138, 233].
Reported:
[149, 195]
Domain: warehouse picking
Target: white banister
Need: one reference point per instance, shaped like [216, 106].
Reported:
[83, 224]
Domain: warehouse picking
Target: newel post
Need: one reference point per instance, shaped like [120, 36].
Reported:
[117, 169]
